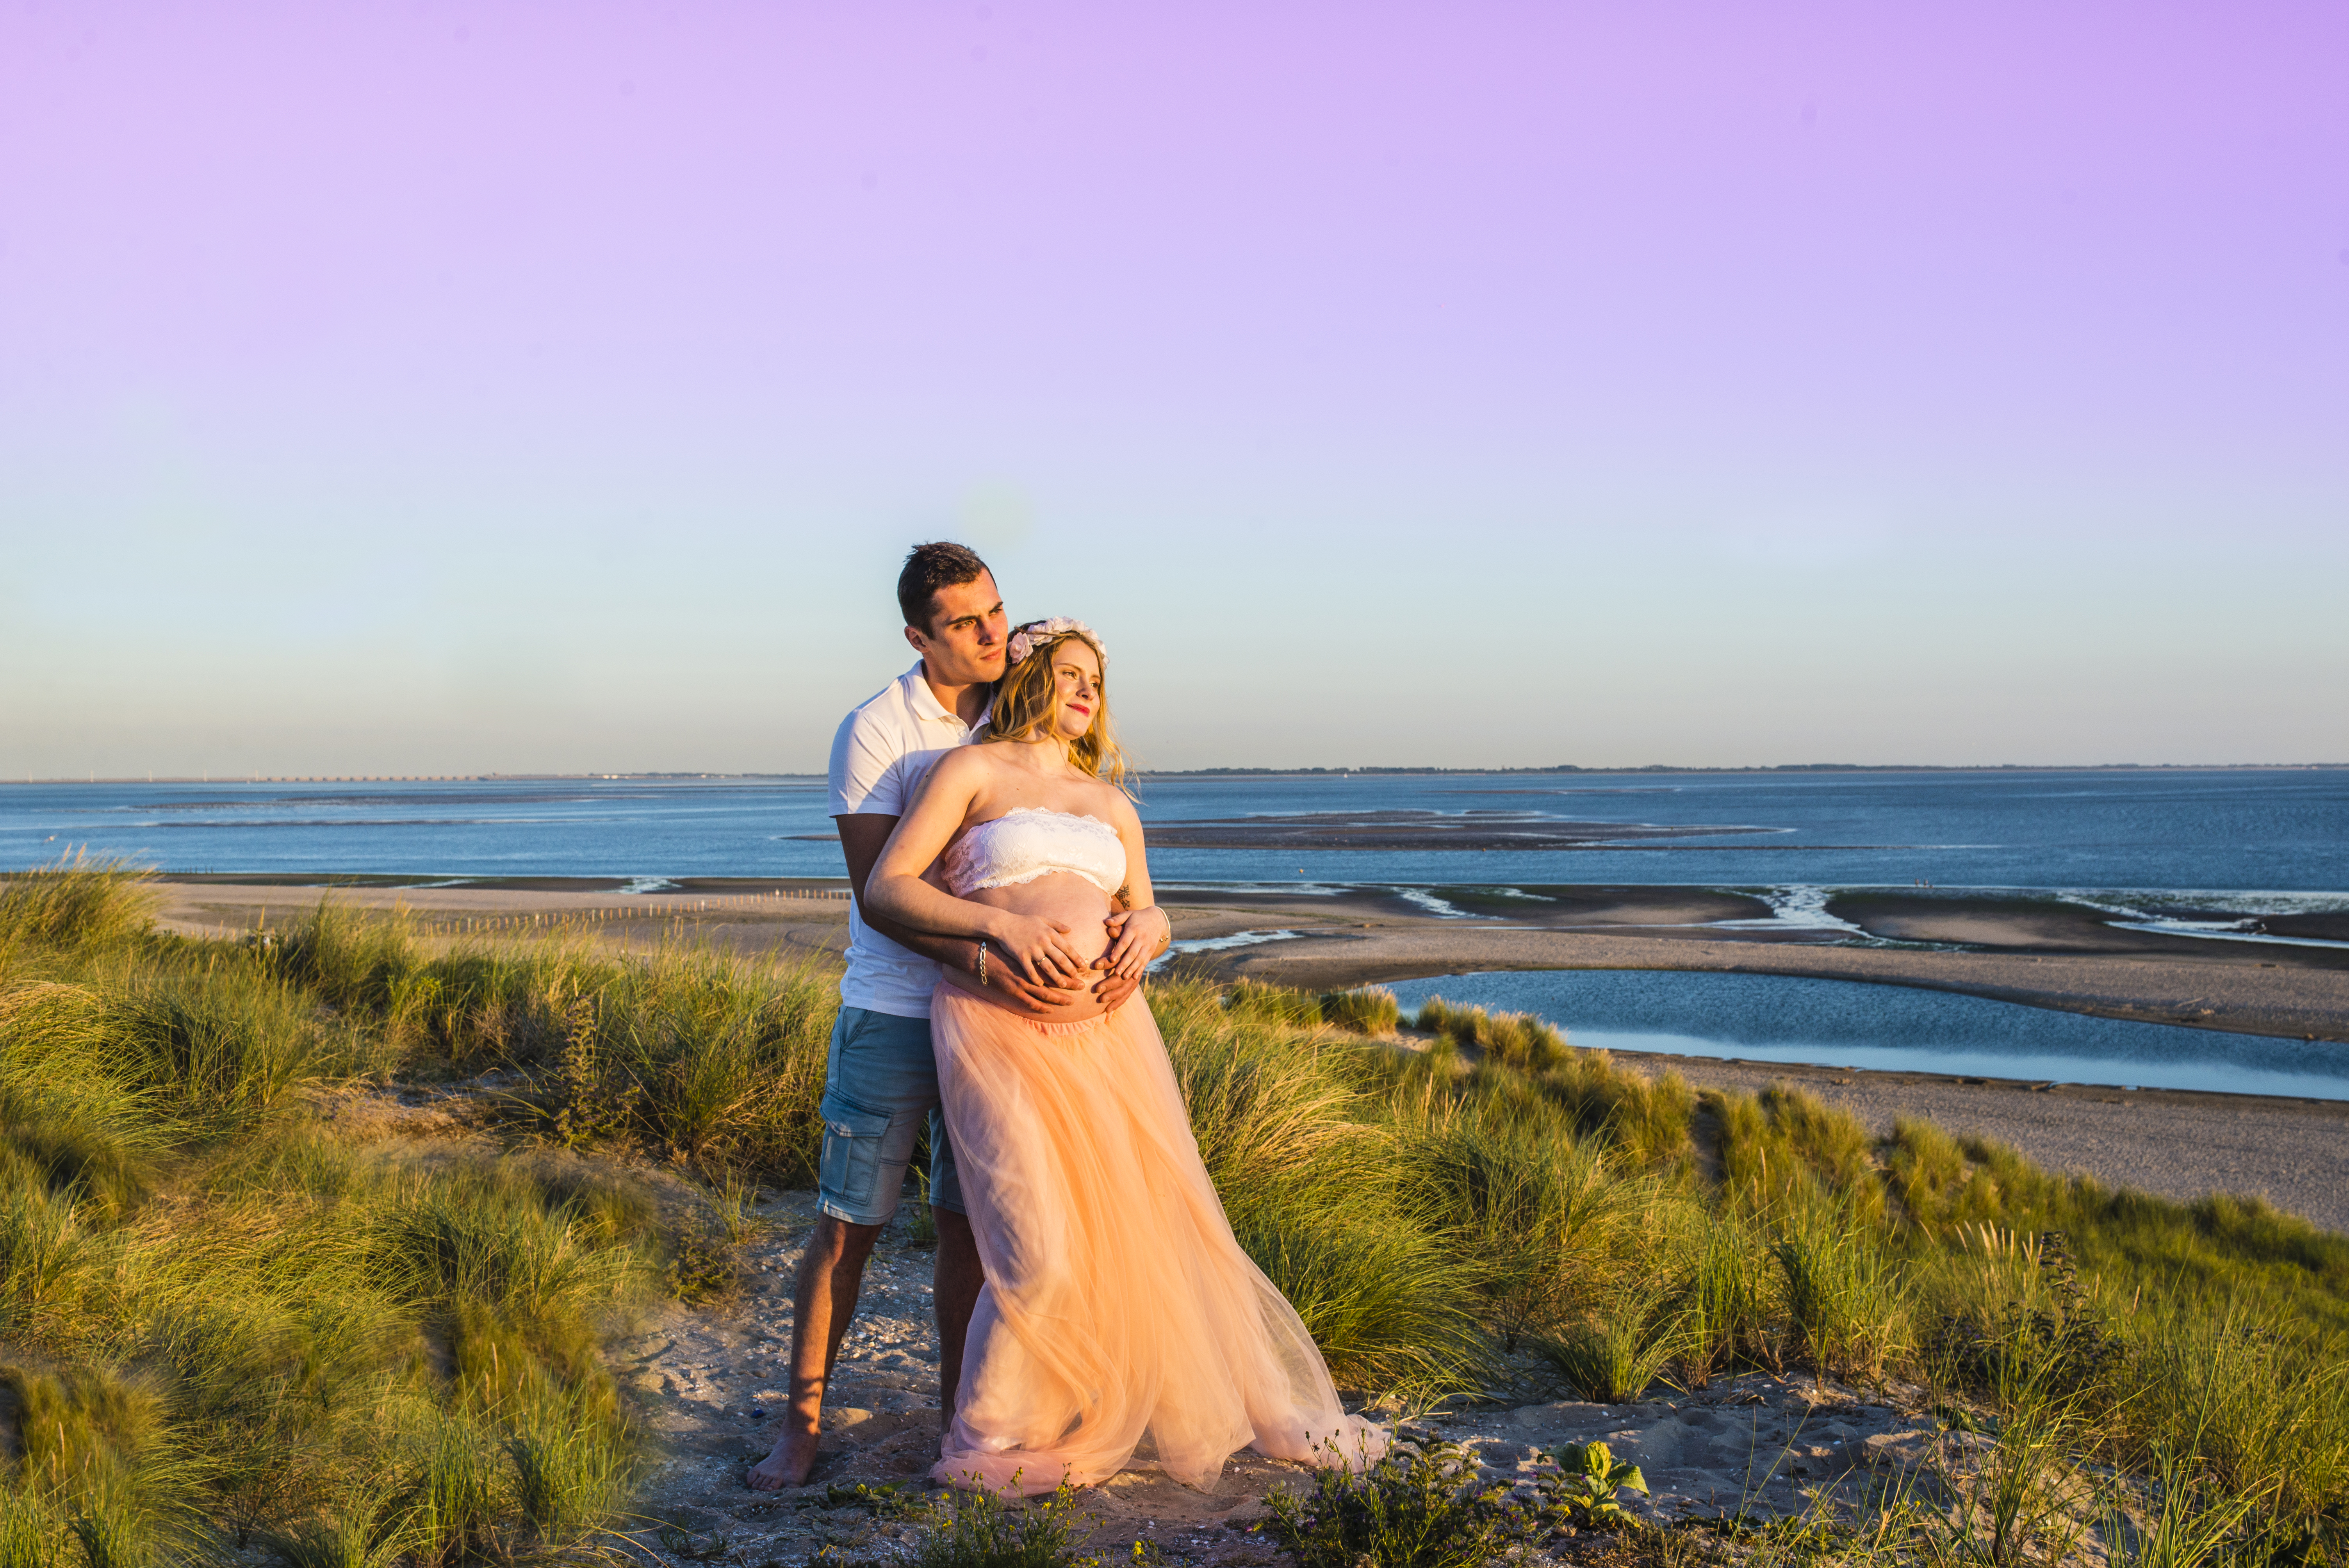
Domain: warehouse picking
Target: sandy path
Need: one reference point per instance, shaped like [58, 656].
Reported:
[711, 1383]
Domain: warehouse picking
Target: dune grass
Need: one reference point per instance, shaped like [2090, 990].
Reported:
[1688, 1236]
[224, 1322]
[222, 1325]
[1365, 1010]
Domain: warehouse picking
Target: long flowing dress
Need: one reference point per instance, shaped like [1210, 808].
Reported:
[1117, 1302]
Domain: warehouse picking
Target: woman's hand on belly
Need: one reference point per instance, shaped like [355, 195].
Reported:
[1139, 936]
[1040, 947]
[1052, 928]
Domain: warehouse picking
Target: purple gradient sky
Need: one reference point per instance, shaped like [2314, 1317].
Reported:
[464, 388]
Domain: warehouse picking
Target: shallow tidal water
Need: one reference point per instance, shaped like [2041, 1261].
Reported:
[1899, 1028]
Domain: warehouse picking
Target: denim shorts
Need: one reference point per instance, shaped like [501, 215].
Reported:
[879, 1083]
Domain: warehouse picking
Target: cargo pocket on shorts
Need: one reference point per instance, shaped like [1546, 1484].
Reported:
[850, 1166]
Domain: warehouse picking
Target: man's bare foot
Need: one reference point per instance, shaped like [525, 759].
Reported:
[788, 1465]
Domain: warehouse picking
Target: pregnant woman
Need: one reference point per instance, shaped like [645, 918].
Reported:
[1117, 1303]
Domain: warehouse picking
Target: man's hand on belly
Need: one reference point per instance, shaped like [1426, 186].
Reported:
[1002, 979]
[1032, 997]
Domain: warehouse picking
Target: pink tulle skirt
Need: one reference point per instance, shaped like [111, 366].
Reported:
[1117, 1303]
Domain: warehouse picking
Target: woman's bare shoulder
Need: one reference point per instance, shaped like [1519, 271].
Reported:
[1115, 806]
[964, 770]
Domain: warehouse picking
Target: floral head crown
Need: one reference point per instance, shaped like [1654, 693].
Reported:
[1035, 635]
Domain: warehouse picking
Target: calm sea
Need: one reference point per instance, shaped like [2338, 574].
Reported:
[2283, 833]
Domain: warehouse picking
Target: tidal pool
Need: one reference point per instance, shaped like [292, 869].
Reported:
[1899, 1028]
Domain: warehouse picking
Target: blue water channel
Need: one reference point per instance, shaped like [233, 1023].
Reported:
[1851, 1024]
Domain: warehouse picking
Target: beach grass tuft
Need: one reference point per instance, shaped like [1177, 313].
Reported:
[1519, 1040]
[1620, 1348]
[77, 903]
[1365, 1010]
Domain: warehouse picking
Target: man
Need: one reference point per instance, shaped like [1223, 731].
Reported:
[880, 1083]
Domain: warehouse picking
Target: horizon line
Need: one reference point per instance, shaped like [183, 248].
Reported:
[1559, 768]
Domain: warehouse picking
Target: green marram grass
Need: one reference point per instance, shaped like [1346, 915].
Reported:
[1365, 1010]
[224, 1323]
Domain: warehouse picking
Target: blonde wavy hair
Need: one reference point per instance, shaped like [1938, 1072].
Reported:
[1028, 706]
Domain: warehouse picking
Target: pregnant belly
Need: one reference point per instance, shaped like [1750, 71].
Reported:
[1063, 896]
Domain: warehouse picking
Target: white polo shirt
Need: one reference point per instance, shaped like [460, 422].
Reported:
[884, 751]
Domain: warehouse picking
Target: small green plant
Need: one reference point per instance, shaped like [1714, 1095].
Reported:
[890, 1500]
[921, 1219]
[1418, 1506]
[1958, 1418]
[979, 1529]
[701, 1269]
[680, 1543]
[1589, 1477]
[590, 1111]
[733, 1197]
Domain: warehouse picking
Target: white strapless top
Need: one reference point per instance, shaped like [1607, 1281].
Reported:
[1030, 841]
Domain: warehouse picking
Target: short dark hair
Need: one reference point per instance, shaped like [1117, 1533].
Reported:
[928, 568]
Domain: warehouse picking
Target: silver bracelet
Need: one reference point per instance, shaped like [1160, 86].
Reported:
[982, 964]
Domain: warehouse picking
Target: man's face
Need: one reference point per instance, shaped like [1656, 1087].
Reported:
[965, 641]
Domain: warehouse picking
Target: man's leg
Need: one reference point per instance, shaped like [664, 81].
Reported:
[878, 1081]
[954, 1279]
[821, 1305]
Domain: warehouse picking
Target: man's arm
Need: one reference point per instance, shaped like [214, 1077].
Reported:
[862, 838]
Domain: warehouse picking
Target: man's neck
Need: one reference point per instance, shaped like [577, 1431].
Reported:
[965, 702]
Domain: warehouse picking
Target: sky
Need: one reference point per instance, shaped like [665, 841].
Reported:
[455, 388]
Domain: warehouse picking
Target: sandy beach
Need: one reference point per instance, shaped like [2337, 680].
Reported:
[2177, 1144]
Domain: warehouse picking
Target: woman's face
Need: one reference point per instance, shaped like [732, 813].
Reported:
[1077, 682]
